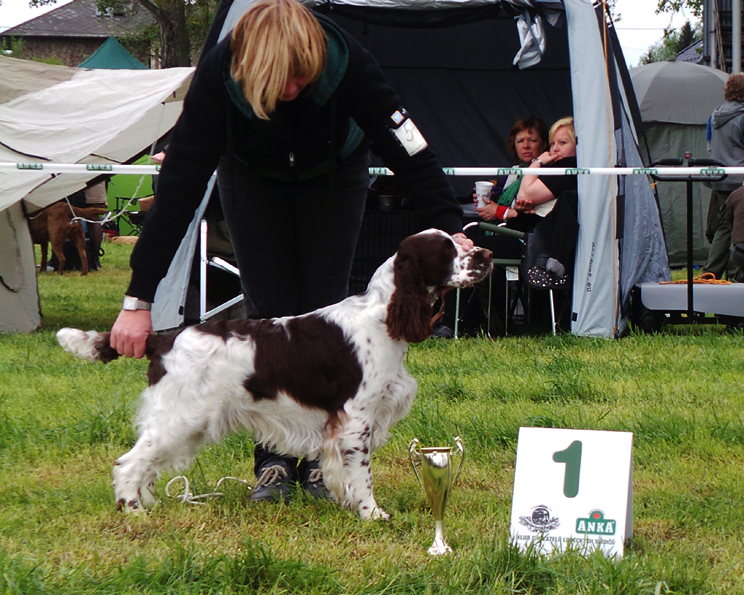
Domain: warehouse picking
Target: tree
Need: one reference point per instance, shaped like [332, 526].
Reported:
[672, 43]
[182, 24]
[696, 6]
[170, 16]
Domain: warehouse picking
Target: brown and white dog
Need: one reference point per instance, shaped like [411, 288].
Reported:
[328, 383]
[57, 223]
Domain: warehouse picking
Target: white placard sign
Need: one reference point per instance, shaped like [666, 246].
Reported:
[573, 487]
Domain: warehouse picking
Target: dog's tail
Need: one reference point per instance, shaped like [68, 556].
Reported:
[91, 345]
[88, 212]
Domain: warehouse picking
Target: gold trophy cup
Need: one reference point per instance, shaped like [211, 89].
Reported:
[434, 473]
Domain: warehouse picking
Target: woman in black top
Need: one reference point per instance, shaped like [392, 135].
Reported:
[286, 110]
[537, 194]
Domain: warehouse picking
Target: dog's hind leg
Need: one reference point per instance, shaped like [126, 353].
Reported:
[346, 469]
[58, 249]
[77, 237]
[136, 471]
[167, 441]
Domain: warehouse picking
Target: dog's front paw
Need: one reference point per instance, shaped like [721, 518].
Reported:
[131, 507]
[375, 514]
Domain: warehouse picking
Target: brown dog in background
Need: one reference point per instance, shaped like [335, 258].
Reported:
[54, 225]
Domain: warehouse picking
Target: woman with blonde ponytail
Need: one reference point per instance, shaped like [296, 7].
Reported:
[286, 109]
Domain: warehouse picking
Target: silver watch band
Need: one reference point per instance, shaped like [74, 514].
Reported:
[133, 303]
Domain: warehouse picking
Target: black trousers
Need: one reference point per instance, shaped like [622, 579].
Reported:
[294, 244]
[294, 241]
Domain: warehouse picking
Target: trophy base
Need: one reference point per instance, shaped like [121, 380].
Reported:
[439, 548]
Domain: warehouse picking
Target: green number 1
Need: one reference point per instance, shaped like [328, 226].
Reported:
[572, 457]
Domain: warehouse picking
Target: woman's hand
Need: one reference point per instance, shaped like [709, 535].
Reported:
[524, 205]
[129, 333]
[543, 159]
[495, 212]
[463, 240]
[158, 157]
[487, 212]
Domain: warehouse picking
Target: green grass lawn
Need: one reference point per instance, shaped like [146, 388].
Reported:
[63, 422]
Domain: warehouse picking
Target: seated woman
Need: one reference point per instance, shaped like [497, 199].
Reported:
[537, 194]
[535, 198]
[527, 140]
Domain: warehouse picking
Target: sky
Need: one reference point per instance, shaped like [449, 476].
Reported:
[638, 29]
[15, 12]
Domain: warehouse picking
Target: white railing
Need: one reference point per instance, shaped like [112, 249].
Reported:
[60, 168]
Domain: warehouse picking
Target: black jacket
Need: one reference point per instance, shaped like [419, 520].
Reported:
[304, 138]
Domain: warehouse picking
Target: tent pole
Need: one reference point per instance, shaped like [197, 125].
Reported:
[735, 36]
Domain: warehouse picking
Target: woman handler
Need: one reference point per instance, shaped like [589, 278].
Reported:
[286, 110]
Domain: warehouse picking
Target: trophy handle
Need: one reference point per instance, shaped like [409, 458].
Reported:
[411, 453]
[461, 449]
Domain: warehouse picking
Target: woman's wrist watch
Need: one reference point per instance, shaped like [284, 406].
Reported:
[133, 303]
[538, 160]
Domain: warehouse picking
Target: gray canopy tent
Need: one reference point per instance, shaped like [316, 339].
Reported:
[676, 99]
[467, 69]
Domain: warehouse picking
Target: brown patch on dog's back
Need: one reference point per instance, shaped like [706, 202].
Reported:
[307, 357]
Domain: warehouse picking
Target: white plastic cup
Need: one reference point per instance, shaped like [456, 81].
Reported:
[482, 192]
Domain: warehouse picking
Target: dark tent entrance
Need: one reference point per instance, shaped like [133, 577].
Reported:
[455, 75]
[458, 81]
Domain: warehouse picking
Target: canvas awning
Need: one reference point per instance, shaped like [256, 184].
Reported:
[71, 115]
[58, 114]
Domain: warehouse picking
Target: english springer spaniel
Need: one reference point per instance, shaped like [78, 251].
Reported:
[328, 383]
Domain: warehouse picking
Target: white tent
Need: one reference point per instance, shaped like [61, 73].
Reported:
[56, 114]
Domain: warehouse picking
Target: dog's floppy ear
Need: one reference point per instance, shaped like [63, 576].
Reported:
[409, 310]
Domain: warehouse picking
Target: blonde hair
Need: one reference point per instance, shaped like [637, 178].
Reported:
[568, 124]
[275, 40]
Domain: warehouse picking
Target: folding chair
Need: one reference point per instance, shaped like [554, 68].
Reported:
[134, 219]
[217, 262]
[511, 265]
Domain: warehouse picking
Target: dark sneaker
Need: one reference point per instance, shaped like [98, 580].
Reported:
[314, 485]
[273, 485]
[443, 332]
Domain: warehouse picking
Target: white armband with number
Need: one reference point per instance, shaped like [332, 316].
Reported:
[407, 134]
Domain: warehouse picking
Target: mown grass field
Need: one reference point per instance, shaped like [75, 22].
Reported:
[63, 422]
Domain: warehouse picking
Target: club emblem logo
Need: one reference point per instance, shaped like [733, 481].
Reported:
[540, 521]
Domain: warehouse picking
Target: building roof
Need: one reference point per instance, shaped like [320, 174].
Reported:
[80, 18]
[692, 53]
